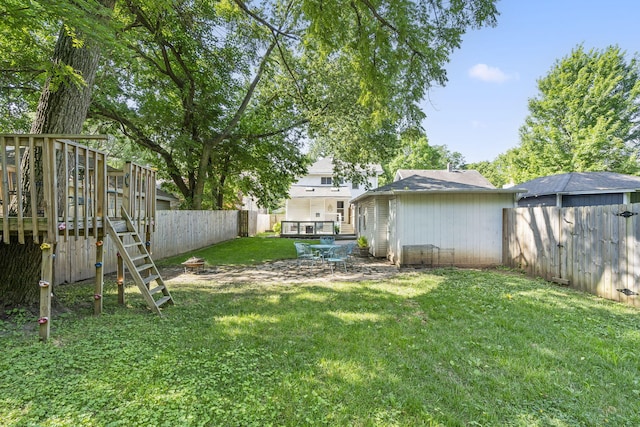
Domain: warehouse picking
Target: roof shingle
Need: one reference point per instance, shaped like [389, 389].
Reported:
[580, 182]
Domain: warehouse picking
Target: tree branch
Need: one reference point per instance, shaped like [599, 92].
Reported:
[391, 27]
[247, 97]
[275, 132]
[131, 130]
[255, 16]
[290, 71]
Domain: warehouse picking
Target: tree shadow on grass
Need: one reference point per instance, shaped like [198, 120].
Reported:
[450, 347]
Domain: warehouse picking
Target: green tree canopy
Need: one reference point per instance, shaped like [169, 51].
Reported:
[585, 118]
[416, 153]
[221, 95]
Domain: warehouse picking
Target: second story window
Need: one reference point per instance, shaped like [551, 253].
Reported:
[325, 180]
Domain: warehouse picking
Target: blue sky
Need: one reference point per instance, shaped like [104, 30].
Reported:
[494, 73]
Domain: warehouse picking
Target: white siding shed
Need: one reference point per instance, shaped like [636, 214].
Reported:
[443, 218]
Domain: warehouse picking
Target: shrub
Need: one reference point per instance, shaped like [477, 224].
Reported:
[362, 242]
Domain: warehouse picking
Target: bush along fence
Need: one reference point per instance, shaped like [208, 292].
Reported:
[595, 249]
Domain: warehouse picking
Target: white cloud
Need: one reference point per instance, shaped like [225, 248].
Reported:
[490, 74]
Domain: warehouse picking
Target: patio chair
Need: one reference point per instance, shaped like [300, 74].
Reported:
[327, 240]
[305, 253]
[337, 255]
[350, 247]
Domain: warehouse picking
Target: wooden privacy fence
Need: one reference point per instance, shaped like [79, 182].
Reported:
[595, 249]
[176, 232]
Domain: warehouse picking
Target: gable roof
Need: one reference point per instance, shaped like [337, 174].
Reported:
[324, 166]
[581, 183]
[438, 181]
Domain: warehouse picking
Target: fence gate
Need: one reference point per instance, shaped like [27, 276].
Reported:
[243, 223]
[594, 248]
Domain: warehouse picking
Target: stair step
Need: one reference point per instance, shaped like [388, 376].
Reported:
[156, 289]
[144, 267]
[163, 300]
[139, 257]
[126, 228]
[149, 279]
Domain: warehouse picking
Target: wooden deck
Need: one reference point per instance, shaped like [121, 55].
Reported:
[53, 186]
[56, 187]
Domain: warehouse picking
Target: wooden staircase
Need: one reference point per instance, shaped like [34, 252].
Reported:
[138, 261]
[346, 228]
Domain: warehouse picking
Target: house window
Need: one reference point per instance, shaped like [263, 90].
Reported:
[325, 180]
[355, 186]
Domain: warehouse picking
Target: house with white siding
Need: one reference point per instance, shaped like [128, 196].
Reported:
[318, 199]
[435, 218]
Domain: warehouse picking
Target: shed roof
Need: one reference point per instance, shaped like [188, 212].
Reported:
[164, 195]
[439, 181]
[581, 183]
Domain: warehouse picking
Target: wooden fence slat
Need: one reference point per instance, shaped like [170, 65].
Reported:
[176, 232]
[65, 189]
[85, 192]
[592, 248]
[5, 191]
[18, 190]
[76, 189]
[33, 186]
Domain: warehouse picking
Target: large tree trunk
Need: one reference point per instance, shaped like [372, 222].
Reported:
[62, 108]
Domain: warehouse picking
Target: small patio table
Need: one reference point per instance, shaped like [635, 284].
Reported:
[323, 248]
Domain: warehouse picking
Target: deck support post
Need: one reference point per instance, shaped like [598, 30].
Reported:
[99, 286]
[120, 280]
[46, 285]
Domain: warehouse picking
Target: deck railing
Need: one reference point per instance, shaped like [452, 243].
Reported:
[56, 186]
[133, 187]
[51, 185]
[307, 228]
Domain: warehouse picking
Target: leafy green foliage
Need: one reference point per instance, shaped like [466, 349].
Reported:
[497, 171]
[27, 38]
[441, 347]
[416, 153]
[585, 118]
[223, 95]
[215, 130]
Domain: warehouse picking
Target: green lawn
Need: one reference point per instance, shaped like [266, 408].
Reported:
[249, 250]
[445, 347]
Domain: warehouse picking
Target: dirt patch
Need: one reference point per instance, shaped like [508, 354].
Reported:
[285, 271]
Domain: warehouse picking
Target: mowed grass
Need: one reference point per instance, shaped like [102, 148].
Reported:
[241, 251]
[445, 347]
